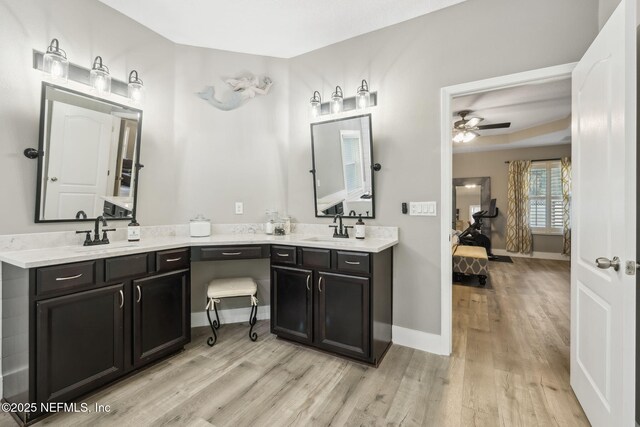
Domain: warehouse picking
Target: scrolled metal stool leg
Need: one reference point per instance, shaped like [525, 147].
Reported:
[252, 321]
[216, 323]
[212, 340]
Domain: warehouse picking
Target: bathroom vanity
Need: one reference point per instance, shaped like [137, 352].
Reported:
[76, 319]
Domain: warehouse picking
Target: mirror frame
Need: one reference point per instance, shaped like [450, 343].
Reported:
[313, 166]
[136, 165]
[485, 197]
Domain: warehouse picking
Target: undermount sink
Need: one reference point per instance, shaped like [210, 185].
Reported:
[101, 248]
[325, 239]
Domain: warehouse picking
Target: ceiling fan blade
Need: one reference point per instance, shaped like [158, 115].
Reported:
[474, 121]
[495, 126]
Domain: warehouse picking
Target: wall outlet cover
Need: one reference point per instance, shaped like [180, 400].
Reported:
[239, 208]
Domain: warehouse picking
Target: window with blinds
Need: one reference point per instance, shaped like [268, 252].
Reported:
[352, 161]
[545, 197]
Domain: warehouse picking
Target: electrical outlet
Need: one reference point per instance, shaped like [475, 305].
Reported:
[423, 208]
[239, 208]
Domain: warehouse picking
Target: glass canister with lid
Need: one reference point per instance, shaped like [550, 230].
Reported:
[200, 226]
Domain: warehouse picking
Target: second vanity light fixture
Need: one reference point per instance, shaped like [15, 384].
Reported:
[99, 77]
[363, 99]
[55, 64]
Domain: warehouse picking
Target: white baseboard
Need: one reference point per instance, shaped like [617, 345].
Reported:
[535, 255]
[419, 340]
[230, 315]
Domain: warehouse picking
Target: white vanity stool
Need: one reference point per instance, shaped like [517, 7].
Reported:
[228, 288]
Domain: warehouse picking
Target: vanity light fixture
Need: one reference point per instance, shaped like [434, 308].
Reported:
[99, 77]
[363, 97]
[316, 104]
[337, 100]
[55, 62]
[136, 87]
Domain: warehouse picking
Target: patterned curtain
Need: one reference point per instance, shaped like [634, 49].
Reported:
[518, 232]
[566, 205]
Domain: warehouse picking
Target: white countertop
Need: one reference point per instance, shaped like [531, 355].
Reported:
[31, 258]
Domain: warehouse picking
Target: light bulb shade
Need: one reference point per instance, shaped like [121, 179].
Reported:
[316, 104]
[458, 136]
[363, 97]
[99, 77]
[55, 63]
[135, 88]
[337, 100]
[469, 136]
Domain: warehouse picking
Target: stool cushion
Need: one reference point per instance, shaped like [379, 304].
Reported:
[232, 287]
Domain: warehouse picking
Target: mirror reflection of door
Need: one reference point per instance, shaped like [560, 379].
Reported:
[77, 161]
[468, 202]
[123, 177]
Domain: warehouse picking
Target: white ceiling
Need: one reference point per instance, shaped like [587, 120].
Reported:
[538, 113]
[279, 28]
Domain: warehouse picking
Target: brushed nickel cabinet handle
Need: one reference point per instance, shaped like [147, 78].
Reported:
[309, 282]
[320, 284]
[173, 259]
[231, 253]
[121, 298]
[139, 293]
[353, 262]
[281, 254]
[60, 279]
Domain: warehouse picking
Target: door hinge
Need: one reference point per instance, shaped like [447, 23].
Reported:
[630, 267]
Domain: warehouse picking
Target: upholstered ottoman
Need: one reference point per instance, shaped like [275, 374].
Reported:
[230, 288]
[471, 260]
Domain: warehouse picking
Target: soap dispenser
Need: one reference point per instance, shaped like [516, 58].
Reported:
[133, 231]
[360, 228]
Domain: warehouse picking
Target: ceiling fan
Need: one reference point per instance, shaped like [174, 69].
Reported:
[465, 129]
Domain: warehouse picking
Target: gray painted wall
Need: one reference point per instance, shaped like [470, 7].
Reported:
[198, 159]
[605, 9]
[492, 164]
[408, 64]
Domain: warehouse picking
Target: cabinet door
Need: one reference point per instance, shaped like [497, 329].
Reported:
[342, 320]
[79, 341]
[291, 303]
[161, 315]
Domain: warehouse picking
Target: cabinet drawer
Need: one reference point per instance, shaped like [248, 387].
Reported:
[312, 257]
[356, 262]
[68, 277]
[126, 267]
[283, 254]
[174, 259]
[238, 252]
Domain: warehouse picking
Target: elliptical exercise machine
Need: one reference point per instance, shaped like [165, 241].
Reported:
[473, 236]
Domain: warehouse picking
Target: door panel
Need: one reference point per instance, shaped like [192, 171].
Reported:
[161, 315]
[342, 321]
[78, 153]
[292, 303]
[604, 222]
[80, 341]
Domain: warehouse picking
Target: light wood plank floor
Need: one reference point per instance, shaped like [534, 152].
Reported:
[510, 367]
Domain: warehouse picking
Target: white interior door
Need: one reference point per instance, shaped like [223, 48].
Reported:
[77, 161]
[604, 223]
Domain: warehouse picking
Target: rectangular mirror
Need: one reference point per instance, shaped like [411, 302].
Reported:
[89, 148]
[471, 195]
[342, 152]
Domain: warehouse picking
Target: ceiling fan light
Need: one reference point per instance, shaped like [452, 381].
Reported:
[469, 136]
[458, 136]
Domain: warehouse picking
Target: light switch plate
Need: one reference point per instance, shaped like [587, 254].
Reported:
[239, 208]
[423, 209]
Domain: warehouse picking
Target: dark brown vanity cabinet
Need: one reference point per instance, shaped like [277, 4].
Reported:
[76, 327]
[292, 303]
[79, 341]
[161, 312]
[331, 299]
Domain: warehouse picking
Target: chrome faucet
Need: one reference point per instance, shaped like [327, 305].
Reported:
[344, 230]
